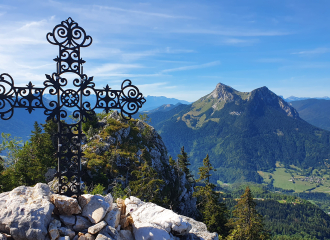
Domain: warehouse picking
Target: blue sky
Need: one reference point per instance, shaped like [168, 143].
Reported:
[179, 49]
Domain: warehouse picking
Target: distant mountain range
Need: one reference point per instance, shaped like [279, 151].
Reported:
[21, 124]
[243, 132]
[314, 111]
[293, 98]
[151, 103]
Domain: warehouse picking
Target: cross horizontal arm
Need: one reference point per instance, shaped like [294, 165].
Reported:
[128, 100]
[11, 97]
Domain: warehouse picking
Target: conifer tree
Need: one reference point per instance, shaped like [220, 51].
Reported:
[183, 163]
[146, 185]
[247, 222]
[35, 158]
[214, 213]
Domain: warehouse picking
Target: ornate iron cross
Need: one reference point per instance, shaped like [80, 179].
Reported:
[69, 37]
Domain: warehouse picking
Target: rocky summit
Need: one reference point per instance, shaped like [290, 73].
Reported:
[36, 213]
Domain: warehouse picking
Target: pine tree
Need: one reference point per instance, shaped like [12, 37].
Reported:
[35, 158]
[214, 213]
[183, 163]
[247, 222]
[146, 185]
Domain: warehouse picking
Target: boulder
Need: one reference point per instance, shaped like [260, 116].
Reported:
[113, 217]
[65, 205]
[97, 227]
[26, 212]
[198, 231]
[109, 199]
[151, 216]
[81, 224]
[66, 232]
[53, 229]
[68, 220]
[108, 232]
[94, 207]
[104, 237]
[86, 236]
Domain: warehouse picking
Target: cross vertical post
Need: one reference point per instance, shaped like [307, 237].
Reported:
[70, 37]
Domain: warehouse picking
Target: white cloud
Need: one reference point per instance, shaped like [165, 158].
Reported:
[314, 51]
[112, 67]
[205, 65]
[233, 32]
[239, 42]
[143, 13]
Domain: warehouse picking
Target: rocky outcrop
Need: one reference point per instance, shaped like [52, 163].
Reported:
[25, 212]
[126, 144]
[29, 213]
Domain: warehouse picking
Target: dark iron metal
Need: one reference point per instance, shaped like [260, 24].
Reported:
[70, 38]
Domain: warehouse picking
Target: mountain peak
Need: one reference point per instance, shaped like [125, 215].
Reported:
[222, 92]
[267, 96]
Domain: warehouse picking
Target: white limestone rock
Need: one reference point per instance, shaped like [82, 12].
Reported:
[109, 199]
[86, 236]
[154, 220]
[53, 229]
[132, 203]
[65, 205]
[103, 237]
[68, 220]
[198, 231]
[94, 207]
[97, 227]
[81, 224]
[113, 217]
[26, 212]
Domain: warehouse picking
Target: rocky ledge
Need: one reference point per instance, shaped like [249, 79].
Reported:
[35, 213]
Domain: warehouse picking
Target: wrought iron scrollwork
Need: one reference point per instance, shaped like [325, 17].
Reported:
[70, 37]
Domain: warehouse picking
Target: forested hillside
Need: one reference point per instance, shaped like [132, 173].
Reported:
[243, 133]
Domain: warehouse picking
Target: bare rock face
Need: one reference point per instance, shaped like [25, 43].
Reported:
[65, 205]
[26, 212]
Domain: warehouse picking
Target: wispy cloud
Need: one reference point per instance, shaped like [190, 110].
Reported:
[112, 67]
[307, 65]
[314, 51]
[233, 32]
[205, 65]
[154, 14]
[239, 42]
[270, 60]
